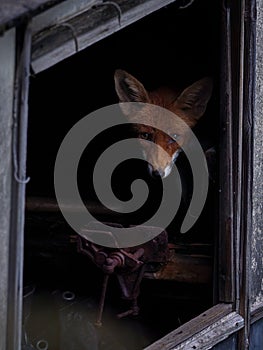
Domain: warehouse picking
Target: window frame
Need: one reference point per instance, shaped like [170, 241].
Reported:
[231, 314]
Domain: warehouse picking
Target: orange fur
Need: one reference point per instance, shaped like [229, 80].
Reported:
[189, 105]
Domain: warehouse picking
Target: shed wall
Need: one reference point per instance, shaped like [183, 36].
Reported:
[257, 205]
[7, 64]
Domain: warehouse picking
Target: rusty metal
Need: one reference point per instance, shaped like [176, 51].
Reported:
[128, 264]
[134, 311]
[98, 322]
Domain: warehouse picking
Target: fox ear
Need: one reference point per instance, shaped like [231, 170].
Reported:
[128, 88]
[193, 100]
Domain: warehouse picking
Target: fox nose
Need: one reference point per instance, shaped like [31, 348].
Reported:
[157, 173]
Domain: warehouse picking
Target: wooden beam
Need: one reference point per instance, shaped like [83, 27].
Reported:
[185, 268]
[247, 72]
[61, 12]
[225, 245]
[19, 147]
[256, 312]
[202, 332]
[214, 334]
[66, 38]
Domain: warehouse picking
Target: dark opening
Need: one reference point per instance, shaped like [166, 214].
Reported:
[169, 47]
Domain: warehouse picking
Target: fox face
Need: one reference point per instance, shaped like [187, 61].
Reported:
[189, 105]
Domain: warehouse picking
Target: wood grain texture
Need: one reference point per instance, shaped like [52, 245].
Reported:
[18, 183]
[60, 12]
[248, 75]
[219, 318]
[225, 246]
[185, 268]
[214, 334]
[257, 200]
[59, 42]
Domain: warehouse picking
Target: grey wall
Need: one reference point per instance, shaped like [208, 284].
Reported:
[257, 234]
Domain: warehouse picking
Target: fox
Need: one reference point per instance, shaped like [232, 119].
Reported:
[189, 105]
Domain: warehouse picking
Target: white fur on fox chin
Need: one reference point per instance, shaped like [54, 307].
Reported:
[168, 169]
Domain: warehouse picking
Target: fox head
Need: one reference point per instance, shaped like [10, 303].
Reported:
[189, 105]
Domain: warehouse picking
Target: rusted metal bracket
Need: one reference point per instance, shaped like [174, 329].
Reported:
[128, 264]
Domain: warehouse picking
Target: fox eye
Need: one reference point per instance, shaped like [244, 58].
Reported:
[174, 138]
[145, 135]
[171, 140]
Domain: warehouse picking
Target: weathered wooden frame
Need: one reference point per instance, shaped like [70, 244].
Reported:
[232, 313]
[7, 67]
[73, 33]
[237, 102]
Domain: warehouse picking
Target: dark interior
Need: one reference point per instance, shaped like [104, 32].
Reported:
[169, 47]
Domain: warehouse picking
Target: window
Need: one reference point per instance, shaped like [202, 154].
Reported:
[206, 41]
[171, 46]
